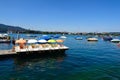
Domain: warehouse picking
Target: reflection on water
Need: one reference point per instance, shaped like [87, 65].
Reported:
[37, 63]
[29, 68]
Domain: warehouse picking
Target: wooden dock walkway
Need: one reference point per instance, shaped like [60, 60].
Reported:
[11, 53]
[7, 52]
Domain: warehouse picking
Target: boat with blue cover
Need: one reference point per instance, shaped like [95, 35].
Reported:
[107, 38]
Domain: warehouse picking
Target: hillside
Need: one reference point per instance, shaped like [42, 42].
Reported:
[15, 29]
[5, 28]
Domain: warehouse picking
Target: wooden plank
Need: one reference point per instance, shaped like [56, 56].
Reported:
[10, 52]
[7, 52]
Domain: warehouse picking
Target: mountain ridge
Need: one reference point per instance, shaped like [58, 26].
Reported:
[5, 28]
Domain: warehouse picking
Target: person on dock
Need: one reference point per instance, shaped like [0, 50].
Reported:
[21, 43]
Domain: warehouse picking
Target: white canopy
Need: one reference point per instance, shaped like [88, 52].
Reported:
[42, 41]
[32, 41]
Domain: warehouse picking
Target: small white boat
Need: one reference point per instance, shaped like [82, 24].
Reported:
[78, 38]
[5, 41]
[4, 38]
[92, 39]
[115, 40]
[63, 37]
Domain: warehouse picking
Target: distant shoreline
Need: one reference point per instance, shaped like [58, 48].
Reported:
[70, 33]
[16, 29]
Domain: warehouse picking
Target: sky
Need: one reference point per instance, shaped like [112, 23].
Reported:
[62, 15]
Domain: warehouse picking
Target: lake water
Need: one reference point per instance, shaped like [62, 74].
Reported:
[83, 61]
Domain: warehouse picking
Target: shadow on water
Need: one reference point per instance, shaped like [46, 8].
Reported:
[38, 57]
[41, 63]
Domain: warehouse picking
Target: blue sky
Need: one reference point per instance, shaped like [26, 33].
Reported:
[62, 15]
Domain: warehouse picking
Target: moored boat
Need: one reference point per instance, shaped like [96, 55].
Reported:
[5, 41]
[78, 38]
[4, 38]
[63, 37]
[92, 39]
[108, 38]
[115, 40]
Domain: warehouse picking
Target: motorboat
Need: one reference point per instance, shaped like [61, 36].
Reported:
[92, 39]
[28, 35]
[63, 37]
[108, 38]
[78, 38]
[5, 41]
[4, 38]
[115, 40]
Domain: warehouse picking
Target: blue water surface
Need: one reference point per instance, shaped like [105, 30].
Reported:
[83, 61]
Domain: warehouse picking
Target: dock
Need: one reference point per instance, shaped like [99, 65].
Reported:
[43, 52]
[7, 52]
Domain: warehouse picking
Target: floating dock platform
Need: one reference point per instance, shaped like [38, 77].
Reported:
[7, 52]
[43, 52]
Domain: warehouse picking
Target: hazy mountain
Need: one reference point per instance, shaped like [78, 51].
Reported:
[5, 28]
